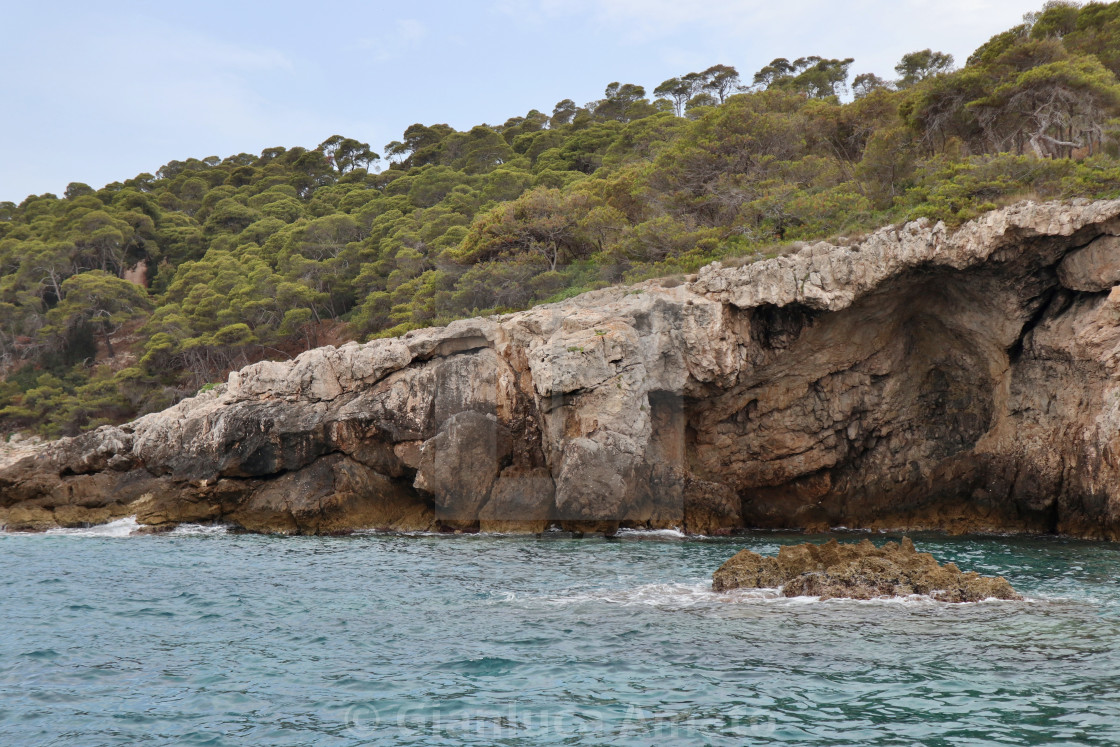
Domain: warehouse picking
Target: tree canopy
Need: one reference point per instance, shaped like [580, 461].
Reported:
[121, 300]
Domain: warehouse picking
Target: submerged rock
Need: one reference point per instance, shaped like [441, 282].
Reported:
[150, 529]
[860, 571]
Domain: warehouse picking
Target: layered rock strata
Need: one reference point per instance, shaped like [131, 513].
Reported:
[918, 378]
[859, 571]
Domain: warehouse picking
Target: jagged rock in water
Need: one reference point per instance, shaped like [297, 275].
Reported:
[858, 571]
[918, 379]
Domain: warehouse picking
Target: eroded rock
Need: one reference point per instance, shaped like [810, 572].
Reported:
[1093, 268]
[920, 378]
[858, 571]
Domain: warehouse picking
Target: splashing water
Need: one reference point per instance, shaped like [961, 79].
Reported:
[119, 528]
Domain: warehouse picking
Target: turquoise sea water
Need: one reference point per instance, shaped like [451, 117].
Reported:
[218, 639]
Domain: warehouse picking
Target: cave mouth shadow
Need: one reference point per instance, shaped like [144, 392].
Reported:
[846, 416]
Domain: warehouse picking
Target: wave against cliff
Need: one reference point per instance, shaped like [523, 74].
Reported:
[920, 378]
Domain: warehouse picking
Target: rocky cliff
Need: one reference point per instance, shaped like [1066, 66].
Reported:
[918, 378]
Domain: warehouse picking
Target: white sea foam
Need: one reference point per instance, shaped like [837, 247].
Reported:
[126, 526]
[680, 596]
[652, 533]
[911, 600]
[119, 528]
[184, 530]
[666, 596]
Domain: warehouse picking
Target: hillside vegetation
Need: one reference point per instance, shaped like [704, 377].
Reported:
[257, 256]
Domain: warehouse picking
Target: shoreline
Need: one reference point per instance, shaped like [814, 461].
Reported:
[668, 534]
[923, 378]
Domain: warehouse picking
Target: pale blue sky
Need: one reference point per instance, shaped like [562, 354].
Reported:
[99, 92]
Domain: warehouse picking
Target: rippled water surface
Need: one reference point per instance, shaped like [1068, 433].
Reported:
[214, 639]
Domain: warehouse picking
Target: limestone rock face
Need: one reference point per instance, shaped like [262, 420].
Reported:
[858, 571]
[921, 378]
[16, 448]
[1093, 268]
